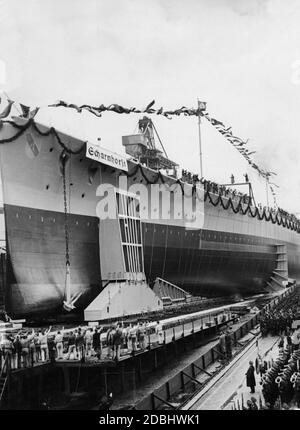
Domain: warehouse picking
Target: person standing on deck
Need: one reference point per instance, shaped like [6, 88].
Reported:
[18, 352]
[7, 348]
[51, 348]
[71, 345]
[132, 337]
[110, 342]
[44, 344]
[80, 344]
[159, 333]
[142, 336]
[88, 337]
[117, 341]
[25, 350]
[125, 336]
[37, 343]
[59, 345]
[97, 345]
[32, 349]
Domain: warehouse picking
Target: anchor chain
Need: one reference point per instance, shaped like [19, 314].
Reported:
[64, 159]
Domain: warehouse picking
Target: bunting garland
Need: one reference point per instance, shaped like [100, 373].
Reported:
[237, 142]
[98, 110]
[225, 202]
[27, 112]
[51, 131]
[271, 184]
[7, 109]
[273, 195]
[254, 211]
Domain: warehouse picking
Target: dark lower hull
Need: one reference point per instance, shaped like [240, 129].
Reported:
[218, 268]
[204, 262]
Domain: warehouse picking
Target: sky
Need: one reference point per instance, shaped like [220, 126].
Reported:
[240, 56]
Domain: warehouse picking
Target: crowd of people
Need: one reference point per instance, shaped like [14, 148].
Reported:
[224, 191]
[25, 349]
[276, 322]
[215, 188]
[279, 320]
[280, 379]
[287, 215]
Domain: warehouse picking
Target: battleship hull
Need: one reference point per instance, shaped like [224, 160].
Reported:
[229, 254]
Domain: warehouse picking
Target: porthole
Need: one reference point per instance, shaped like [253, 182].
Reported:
[51, 149]
[82, 195]
[47, 187]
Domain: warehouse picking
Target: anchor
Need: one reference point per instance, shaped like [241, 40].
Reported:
[68, 304]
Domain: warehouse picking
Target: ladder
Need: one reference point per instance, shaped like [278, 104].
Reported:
[170, 293]
[4, 375]
[2, 280]
[279, 277]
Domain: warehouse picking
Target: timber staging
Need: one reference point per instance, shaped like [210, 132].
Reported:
[142, 381]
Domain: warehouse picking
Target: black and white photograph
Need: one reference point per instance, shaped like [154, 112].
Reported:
[149, 209]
